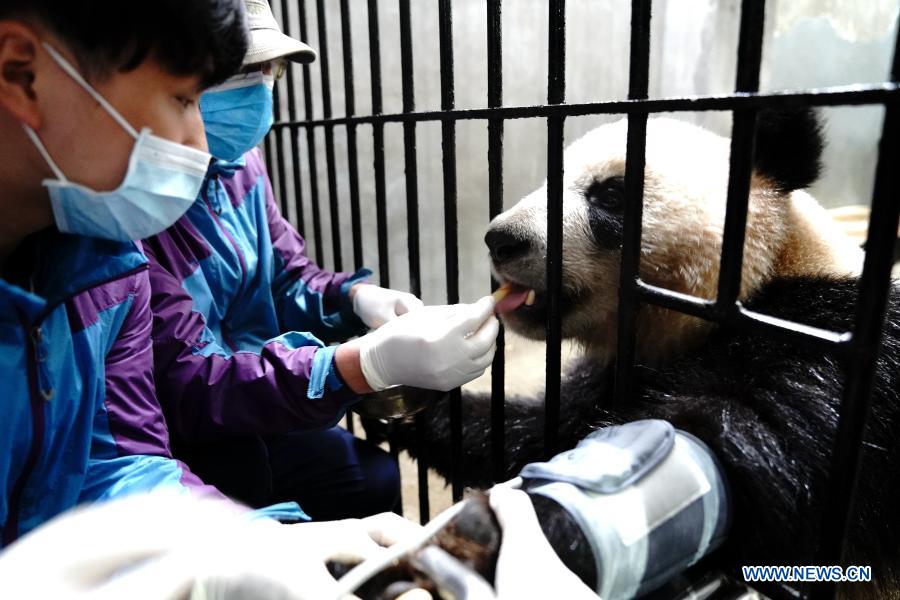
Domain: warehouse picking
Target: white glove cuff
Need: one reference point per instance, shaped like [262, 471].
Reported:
[356, 300]
[372, 367]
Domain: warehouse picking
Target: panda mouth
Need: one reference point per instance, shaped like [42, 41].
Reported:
[512, 297]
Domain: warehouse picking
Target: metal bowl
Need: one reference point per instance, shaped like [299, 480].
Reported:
[395, 403]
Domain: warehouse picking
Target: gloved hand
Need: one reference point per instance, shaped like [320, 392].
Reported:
[375, 305]
[435, 347]
[165, 546]
[527, 566]
[288, 563]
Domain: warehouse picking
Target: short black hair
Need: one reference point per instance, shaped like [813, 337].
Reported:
[207, 38]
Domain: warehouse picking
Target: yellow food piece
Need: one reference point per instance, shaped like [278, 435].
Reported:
[501, 292]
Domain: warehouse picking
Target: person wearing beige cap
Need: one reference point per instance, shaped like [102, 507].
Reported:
[243, 318]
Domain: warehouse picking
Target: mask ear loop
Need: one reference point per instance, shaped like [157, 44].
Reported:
[43, 151]
[74, 74]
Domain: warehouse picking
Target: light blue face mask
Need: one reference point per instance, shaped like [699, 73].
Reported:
[162, 181]
[237, 114]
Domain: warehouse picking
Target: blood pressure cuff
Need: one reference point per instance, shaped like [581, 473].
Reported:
[650, 499]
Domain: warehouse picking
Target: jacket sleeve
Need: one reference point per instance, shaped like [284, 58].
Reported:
[208, 393]
[307, 297]
[130, 449]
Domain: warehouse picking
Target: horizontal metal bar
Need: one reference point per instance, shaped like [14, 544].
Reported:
[832, 96]
[738, 316]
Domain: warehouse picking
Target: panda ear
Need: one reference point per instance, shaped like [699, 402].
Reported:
[788, 147]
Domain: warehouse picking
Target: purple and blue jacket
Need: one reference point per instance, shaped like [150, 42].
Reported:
[79, 419]
[241, 316]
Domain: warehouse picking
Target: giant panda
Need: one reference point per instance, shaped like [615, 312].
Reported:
[767, 409]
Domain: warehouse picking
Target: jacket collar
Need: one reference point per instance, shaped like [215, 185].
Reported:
[65, 265]
[225, 168]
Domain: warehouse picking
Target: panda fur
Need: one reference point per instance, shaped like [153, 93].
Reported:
[768, 410]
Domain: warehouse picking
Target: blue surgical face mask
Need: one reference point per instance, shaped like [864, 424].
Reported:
[237, 114]
[162, 181]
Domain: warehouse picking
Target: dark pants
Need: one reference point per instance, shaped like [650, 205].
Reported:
[330, 473]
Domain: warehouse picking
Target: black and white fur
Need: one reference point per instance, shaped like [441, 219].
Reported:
[768, 410]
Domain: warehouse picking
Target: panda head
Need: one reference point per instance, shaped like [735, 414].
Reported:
[685, 188]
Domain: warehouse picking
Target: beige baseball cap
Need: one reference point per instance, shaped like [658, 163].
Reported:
[267, 42]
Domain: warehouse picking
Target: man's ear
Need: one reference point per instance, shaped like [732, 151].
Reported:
[18, 58]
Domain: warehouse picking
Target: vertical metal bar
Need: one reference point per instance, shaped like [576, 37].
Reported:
[409, 149]
[448, 145]
[294, 131]
[350, 110]
[311, 143]
[279, 153]
[638, 85]
[741, 158]
[380, 195]
[378, 144]
[871, 306]
[556, 91]
[352, 161]
[412, 218]
[325, 72]
[495, 201]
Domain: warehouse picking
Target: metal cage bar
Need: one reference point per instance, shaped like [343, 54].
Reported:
[871, 308]
[330, 172]
[451, 243]
[294, 132]
[556, 93]
[311, 142]
[638, 86]
[384, 272]
[411, 175]
[350, 110]
[495, 207]
[352, 159]
[740, 159]
[279, 153]
[846, 95]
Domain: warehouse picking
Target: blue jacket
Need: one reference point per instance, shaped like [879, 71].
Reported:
[241, 315]
[79, 420]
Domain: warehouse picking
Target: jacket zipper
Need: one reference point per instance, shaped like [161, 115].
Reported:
[34, 356]
[241, 261]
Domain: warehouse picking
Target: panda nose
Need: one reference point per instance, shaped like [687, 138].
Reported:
[505, 246]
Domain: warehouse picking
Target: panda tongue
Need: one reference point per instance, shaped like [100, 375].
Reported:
[514, 298]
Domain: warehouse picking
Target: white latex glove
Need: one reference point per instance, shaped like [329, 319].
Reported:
[527, 566]
[435, 347]
[163, 546]
[96, 551]
[289, 563]
[375, 305]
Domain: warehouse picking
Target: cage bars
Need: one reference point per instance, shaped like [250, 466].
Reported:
[857, 349]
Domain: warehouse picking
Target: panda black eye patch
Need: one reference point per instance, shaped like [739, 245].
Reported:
[606, 201]
[608, 194]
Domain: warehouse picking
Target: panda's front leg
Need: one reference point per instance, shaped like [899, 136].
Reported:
[428, 434]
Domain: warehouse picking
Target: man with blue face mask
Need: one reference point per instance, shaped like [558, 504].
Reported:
[88, 165]
[242, 317]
